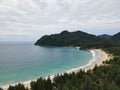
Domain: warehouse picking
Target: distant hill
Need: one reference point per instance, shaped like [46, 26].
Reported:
[116, 38]
[105, 36]
[67, 38]
[79, 38]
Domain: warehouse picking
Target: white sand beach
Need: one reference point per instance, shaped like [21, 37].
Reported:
[98, 57]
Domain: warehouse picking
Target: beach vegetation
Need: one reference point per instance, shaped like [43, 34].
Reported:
[42, 84]
[17, 87]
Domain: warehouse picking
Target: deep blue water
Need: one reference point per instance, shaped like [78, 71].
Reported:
[25, 61]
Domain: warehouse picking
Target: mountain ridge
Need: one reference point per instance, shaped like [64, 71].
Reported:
[78, 38]
[116, 38]
[105, 36]
[66, 38]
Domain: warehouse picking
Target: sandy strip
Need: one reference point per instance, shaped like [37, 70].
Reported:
[98, 57]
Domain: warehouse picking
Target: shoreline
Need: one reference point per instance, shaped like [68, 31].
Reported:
[98, 56]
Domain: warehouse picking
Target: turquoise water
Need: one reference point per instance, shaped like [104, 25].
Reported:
[23, 61]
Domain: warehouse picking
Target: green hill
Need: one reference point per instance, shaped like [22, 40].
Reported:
[105, 36]
[66, 38]
[79, 38]
[116, 38]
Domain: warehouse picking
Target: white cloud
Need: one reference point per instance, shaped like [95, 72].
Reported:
[34, 18]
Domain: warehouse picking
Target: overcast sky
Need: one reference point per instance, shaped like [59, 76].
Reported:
[30, 19]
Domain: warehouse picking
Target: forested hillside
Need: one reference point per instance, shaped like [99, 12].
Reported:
[79, 38]
[66, 38]
[116, 38]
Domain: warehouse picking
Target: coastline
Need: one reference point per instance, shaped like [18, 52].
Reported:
[98, 56]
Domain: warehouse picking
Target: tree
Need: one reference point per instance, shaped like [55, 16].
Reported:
[1, 88]
[33, 85]
[41, 84]
[11, 88]
[48, 84]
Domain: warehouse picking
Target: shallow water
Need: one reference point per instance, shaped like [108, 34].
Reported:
[25, 61]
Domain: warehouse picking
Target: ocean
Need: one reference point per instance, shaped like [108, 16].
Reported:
[24, 61]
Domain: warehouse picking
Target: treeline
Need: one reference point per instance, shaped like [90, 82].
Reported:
[104, 77]
[42, 84]
[97, 45]
[17, 87]
[114, 50]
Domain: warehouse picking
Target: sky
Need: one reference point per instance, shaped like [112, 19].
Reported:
[28, 20]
